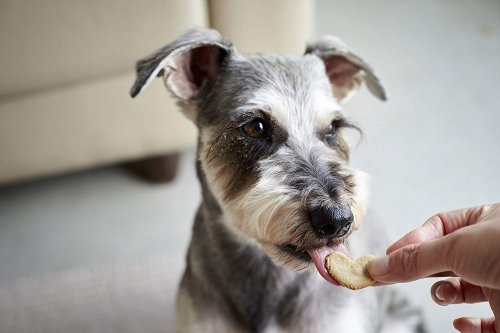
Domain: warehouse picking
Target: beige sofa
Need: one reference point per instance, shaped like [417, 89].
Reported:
[67, 66]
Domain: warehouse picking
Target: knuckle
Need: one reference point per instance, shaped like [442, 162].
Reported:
[409, 256]
[436, 223]
[451, 258]
[434, 227]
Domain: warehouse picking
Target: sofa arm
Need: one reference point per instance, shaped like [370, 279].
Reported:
[281, 26]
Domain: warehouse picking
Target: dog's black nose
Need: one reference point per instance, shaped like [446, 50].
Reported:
[333, 221]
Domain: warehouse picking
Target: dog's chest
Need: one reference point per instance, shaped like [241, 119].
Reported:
[324, 308]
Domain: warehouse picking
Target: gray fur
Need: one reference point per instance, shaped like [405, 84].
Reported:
[258, 192]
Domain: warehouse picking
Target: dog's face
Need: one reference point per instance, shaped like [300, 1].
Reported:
[271, 137]
[273, 153]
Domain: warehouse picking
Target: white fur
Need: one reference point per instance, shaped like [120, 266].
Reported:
[315, 108]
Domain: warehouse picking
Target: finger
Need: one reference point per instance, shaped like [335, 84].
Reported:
[433, 228]
[439, 225]
[456, 291]
[380, 284]
[412, 262]
[443, 274]
[475, 325]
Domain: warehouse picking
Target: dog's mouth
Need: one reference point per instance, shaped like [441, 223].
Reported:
[296, 252]
[317, 255]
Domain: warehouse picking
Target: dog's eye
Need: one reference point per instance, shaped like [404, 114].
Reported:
[335, 125]
[332, 131]
[255, 129]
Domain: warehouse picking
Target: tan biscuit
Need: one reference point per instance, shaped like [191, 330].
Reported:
[350, 273]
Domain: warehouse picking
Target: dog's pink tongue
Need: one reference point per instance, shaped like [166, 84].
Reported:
[319, 258]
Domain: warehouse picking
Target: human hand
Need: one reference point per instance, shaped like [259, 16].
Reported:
[464, 244]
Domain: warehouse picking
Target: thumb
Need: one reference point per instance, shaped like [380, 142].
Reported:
[413, 261]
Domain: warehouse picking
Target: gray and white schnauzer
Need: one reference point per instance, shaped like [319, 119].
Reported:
[278, 192]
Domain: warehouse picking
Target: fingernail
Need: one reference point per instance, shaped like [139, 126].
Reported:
[446, 293]
[378, 267]
[439, 293]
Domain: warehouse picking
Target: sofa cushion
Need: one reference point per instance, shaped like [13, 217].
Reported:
[90, 124]
[47, 43]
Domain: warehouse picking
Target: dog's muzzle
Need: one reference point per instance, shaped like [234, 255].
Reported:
[331, 221]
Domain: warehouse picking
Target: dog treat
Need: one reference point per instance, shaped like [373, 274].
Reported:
[350, 273]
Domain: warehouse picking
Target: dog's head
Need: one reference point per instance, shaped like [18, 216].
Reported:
[271, 141]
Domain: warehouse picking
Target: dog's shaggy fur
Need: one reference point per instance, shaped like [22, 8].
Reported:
[278, 191]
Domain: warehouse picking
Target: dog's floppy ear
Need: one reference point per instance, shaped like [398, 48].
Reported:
[185, 64]
[345, 69]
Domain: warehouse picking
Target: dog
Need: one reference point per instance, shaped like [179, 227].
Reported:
[278, 192]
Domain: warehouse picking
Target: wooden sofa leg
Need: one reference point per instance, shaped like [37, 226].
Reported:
[156, 169]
